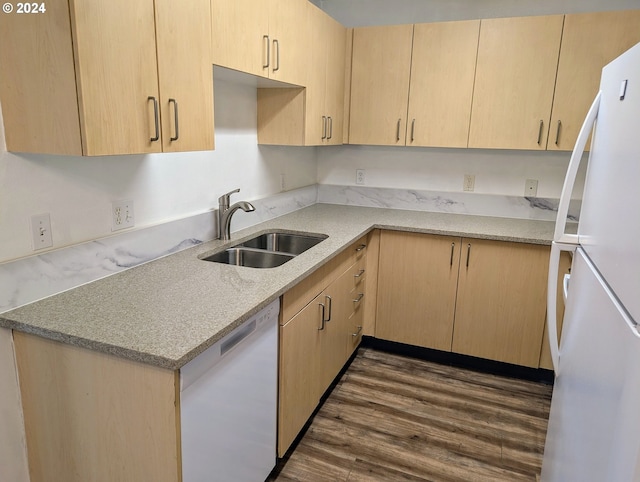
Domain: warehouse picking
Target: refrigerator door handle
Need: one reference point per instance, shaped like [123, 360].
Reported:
[572, 171]
[552, 300]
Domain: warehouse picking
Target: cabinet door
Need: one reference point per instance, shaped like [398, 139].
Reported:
[336, 41]
[501, 304]
[116, 72]
[381, 66]
[443, 67]
[185, 74]
[515, 78]
[299, 386]
[417, 280]
[589, 42]
[315, 111]
[238, 30]
[289, 34]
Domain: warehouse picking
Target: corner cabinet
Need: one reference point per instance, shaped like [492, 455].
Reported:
[514, 82]
[321, 326]
[142, 81]
[310, 116]
[469, 296]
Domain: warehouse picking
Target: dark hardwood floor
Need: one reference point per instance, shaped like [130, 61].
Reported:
[397, 418]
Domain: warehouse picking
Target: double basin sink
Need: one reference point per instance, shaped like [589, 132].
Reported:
[267, 250]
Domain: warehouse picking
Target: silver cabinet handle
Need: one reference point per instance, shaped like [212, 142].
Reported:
[266, 66]
[330, 127]
[175, 118]
[324, 127]
[558, 132]
[413, 127]
[357, 332]
[276, 43]
[453, 245]
[322, 317]
[359, 298]
[360, 247]
[468, 253]
[540, 132]
[156, 117]
[360, 273]
[398, 130]
[330, 306]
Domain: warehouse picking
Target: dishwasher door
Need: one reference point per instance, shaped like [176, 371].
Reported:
[228, 404]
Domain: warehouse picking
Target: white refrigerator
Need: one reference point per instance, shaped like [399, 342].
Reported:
[594, 423]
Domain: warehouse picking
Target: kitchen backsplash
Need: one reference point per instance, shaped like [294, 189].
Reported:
[446, 202]
[29, 279]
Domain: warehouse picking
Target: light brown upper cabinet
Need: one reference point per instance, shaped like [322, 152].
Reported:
[442, 71]
[141, 80]
[514, 82]
[380, 71]
[314, 115]
[324, 112]
[501, 303]
[589, 42]
[261, 37]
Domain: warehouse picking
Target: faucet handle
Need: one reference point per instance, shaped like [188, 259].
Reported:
[225, 198]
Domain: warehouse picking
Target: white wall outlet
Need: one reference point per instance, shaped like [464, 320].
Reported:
[122, 215]
[283, 185]
[360, 176]
[41, 231]
[469, 182]
[531, 188]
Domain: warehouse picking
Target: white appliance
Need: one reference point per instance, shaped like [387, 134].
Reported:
[228, 404]
[594, 423]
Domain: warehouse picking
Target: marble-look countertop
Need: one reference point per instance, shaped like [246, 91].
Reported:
[167, 311]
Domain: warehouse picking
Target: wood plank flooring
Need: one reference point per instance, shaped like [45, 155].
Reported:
[393, 418]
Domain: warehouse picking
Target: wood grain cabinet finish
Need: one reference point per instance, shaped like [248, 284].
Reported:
[417, 279]
[310, 116]
[380, 72]
[261, 37]
[589, 42]
[501, 301]
[130, 59]
[514, 82]
[318, 339]
[443, 65]
[90, 416]
[475, 297]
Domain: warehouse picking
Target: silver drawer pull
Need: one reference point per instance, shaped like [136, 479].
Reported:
[360, 273]
[322, 317]
[361, 247]
[357, 332]
[359, 298]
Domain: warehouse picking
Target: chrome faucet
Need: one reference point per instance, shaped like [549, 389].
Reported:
[225, 212]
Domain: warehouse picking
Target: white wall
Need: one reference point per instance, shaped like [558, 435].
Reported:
[497, 171]
[78, 191]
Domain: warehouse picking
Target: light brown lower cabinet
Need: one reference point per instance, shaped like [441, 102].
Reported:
[501, 302]
[317, 341]
[475, 297]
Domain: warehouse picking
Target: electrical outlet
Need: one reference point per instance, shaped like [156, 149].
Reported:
[531, 188]
[469, 182]
[359, 176]
[41, 231]
[283, 185]
[122, 215]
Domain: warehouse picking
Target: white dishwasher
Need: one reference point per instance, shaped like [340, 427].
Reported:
[228, 404]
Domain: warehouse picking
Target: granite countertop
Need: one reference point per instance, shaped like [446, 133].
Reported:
[169, 310]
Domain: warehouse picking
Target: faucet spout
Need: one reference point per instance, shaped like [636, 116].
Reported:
[225, 212]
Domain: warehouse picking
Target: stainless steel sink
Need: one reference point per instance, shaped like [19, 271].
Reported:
[267, 250]
[284, 242]
[253, 258]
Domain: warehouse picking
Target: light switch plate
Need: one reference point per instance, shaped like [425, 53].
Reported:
[41, 231]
